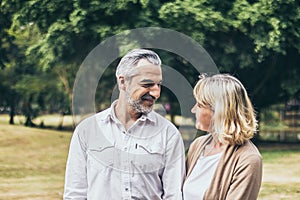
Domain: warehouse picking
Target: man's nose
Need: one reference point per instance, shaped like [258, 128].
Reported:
[155, 91]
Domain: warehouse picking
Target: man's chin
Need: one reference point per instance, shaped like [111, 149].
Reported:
[147, 109]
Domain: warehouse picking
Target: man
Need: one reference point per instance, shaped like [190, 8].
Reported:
[128, 151]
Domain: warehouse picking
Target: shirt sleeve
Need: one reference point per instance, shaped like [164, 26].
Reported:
[76, 175]
[174, 171]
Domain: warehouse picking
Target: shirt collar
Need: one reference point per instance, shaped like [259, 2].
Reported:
[150, 116]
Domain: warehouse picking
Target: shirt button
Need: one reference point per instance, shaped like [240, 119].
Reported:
[126, 189]
[125, 148]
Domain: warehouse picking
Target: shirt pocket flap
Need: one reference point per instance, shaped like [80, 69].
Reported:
[102, 156]
[151, 148]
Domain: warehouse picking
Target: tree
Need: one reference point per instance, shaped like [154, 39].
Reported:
[69, 30]
[258, 41]
[22, 82]
[9, 57]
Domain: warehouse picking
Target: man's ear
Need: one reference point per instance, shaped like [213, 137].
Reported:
[121, 80]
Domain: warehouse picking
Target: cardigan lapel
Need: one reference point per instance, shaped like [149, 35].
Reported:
[222, 177]
[195, 153]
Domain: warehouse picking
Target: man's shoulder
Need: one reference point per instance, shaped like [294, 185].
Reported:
[91, 119]
[163, 122]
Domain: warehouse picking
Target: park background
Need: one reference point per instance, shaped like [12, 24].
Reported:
[44, 42]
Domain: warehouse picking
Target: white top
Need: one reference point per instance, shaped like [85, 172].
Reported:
[107, 162]
[200, 178]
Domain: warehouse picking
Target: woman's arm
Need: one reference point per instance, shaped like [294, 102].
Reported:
[246, 179]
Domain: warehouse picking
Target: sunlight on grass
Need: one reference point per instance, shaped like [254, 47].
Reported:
[53, 120]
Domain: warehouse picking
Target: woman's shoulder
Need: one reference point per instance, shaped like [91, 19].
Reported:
[249, 146]
[249, 150]
[198, 141]
[202, 138]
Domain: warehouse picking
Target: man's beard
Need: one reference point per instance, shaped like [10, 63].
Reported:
[137, 105]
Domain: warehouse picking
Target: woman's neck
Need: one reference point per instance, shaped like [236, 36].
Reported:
[213, 147]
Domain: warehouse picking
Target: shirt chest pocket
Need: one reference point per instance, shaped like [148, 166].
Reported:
[101, 158]
[148, 157]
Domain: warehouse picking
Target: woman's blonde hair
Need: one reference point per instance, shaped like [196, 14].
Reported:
[233, 114]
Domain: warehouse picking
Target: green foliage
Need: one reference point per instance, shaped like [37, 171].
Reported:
[271, 118]
[7, 47]
[257, 41]
[271, 115]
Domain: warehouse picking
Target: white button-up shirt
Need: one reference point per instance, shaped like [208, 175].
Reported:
[107, 162]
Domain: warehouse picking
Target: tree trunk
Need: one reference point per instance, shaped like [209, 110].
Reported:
[28, 112]
[62, 75]
[60, 126]
[12, 113]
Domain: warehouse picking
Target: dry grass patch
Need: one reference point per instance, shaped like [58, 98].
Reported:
[281, 172]
[32, 165]
[32, 162]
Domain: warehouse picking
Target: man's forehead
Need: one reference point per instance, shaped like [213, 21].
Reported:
[150, 77]
[148, 70]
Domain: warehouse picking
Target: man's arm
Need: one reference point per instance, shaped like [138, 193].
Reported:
[75, 178]
[174, 171]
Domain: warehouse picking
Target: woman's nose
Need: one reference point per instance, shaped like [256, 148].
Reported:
[193, 110]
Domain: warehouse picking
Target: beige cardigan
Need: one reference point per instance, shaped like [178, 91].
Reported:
[238, 175]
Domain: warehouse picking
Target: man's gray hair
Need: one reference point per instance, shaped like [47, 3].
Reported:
[126, 67]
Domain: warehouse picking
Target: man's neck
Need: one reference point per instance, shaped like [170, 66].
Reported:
[125, 114]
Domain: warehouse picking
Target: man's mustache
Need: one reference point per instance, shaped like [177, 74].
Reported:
[148, 97]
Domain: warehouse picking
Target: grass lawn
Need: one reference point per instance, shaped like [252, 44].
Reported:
[32, 165]
[32, 162]
[281, 172]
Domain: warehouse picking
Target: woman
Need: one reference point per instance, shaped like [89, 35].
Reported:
[223, 164]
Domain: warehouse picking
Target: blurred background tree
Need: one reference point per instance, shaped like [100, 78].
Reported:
[257, 41]
[44, 42]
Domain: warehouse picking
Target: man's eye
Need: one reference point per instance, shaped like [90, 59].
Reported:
[147, 85]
